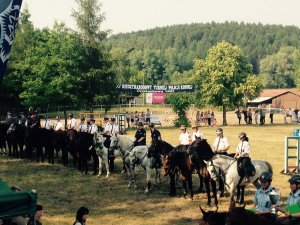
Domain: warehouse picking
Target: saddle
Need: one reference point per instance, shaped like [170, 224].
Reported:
[249, 168]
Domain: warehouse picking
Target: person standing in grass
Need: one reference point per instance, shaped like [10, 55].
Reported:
[81, 216]
[37, 217]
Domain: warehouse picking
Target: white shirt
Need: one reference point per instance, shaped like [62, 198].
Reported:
[107, 129]
[114, 129]
[58, 126]
[223, 143]
[71, 123]
[243, 149]
[184, 138]
[198, 134]
[48, 124]
[93, 129]
[83, 127]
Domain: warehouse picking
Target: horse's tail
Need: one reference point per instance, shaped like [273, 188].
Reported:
[270, 168]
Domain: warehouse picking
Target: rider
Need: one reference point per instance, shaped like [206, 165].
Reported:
[71, 125]
[140, 135]
[221, 144]
[155, 136]
[92, 129]
[9, 119]
[114, 129]
[293, 198]
[197, 133]
[243, 154]
[184, 138]
[262, 201]
[82, 126]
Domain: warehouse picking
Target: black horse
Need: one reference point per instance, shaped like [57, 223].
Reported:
[3, 137]
[16, 137]
[213, 217]
[60, 144]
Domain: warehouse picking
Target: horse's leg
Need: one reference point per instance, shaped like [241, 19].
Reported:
[107, 165]
[184, 188]
[242, 194]
[214, 190]
[100, 166]
[207, 187]
[148, 172]
[172, 185]
[157, 176]
[190, 184]
[201, 187]
[221, 187]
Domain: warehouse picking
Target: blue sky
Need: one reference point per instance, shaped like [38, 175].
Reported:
[133, 15]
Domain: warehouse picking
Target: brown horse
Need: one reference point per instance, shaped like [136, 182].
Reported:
[240, 216]
[181, 160]
[213, 217]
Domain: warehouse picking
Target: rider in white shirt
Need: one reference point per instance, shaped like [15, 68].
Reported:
[184, 138]
[71, 125]
[48, 124]
[196, 133]
[82, 126]
[221, 144]
[58, 125]
[93, 129]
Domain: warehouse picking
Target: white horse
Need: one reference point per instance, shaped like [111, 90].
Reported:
[228, 167]
[138, 156]
[102, 153]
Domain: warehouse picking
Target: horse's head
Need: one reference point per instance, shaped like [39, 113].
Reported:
[201, 148]
[213, 170]
[98, 141]
[212, 217]
[114, 142]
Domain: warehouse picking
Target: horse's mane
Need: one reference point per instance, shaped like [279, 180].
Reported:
[167, 144]
[226, 157]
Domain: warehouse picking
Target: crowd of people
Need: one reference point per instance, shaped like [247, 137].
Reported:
[134, 118]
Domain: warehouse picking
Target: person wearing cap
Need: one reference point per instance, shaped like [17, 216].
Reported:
[243, 154]
[9, 119]
[37, 217]
[48, 124]
[293, 198]
[58, 124]
[22, 120]
[71, 124]
[81, 216]
[155, 137]
[262, 201]
[92, 129]
[221, 144]
[107, 128]
[140, 135]
[35, 121]
[184, 138]
[82, 126]
[196, 132]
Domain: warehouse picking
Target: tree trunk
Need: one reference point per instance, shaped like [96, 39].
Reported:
[65, 116]
[224, 115]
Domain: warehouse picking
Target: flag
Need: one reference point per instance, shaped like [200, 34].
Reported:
[9, 17]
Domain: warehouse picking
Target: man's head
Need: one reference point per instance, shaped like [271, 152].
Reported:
[219, 131]
[183, 128]
[70, 115]
[151, 125]
[140, 125]
[112, 120]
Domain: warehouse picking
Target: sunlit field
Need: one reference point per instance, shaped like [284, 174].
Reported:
[62, 190]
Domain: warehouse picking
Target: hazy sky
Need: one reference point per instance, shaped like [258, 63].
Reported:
[133, 15]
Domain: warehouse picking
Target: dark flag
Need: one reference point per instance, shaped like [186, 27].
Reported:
[9, 16]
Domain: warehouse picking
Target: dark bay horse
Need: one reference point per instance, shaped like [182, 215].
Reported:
[200, 151]
[213, 217]
[3, 137]
[181, 160]
[240, 216]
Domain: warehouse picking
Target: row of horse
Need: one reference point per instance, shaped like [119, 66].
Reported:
[83, 146]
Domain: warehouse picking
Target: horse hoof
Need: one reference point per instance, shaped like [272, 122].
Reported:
[99, 175]
[221, 195]
[107, 176]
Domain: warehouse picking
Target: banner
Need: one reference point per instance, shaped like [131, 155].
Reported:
[158, 98]
[9, 17]
[141, 88]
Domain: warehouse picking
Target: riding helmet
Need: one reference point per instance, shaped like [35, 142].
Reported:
[295, 179]
[219, 130]
[242, 135]
[140, 124]
[151, 125]
[265, 177]
[70, 115]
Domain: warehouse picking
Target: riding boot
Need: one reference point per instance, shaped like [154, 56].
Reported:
[111, 163]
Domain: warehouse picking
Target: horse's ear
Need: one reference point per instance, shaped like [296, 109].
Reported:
[202, 211]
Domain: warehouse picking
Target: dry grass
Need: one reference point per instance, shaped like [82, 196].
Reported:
[62, 190]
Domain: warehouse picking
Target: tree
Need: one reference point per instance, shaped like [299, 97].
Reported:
[180, 104]
[224, 78]
[99, 78]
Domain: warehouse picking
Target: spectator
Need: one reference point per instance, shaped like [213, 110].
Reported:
[256, 116]
[128, 119]
[148, 116]
[132, 119]
[271, 115]
[37, 217]
[239, 115]
[196, 133]
[245, 115]
[213, 119]
[249, 115]
[209, 118]
[81, 216]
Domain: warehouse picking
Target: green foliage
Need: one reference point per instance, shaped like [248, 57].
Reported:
[180, 104]
[224, 78]
[278, 70]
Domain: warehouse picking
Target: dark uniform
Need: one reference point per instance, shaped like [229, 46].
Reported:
[141, 132]
[155, 134]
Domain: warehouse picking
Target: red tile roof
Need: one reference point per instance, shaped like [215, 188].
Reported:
[276, 92]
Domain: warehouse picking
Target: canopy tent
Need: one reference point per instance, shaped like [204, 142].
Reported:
[16, 203]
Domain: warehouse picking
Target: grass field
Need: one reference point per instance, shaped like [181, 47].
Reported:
[62, 190]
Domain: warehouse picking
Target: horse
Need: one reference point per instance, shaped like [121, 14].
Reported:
[16, 136]
[213, 217]
[60, 144]
[102, 153]
[3, 138]
[239, 215]
[181, 160]
[200, 151]
[138, 155]
[164, 148]
[228, 166]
